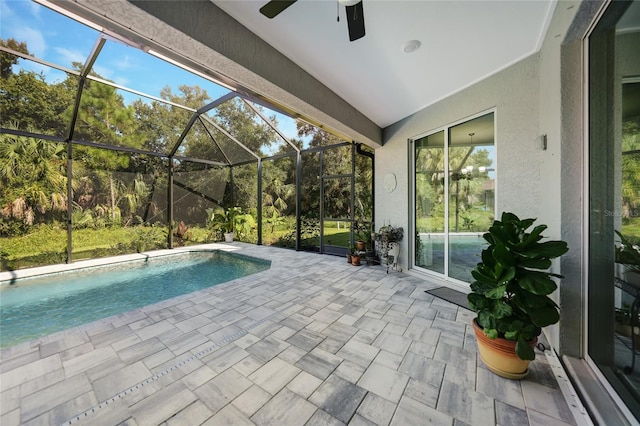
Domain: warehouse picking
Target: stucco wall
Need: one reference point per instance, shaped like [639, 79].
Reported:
[521, 161]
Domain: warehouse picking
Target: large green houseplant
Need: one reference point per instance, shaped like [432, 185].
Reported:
[512, 283]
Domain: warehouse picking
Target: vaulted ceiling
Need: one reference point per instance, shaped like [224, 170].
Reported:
[461, 42]
[303, 62]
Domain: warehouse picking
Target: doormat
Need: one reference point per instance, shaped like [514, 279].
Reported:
[453, 296]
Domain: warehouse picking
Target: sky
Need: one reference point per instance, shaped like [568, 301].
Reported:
[60, 40]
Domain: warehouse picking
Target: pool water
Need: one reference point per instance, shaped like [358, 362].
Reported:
[34, 307]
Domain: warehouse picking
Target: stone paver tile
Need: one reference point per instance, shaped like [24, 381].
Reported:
[350, 371]
[274, 375]
[155, 329]
[140, 350]
[358, 420]
[326, 315]
[292, 354]
[499, 388]
[411, 412]
[388, 359]
[222, 389]
[225, 357]
[248, 365]
[358, 352]
[286, 408]
[267, 348]
[338, 397]
[198, 377]
[245, 341]
[296, 321]
[347, 319]
[185, 342]
[546, 400]
[509, 415]
[396, 329]
[158, 359]
[339, 331]
[64, 343]
[319, 363]
[377, 409]
[393, 343]
[193, 414]
[384, 382]
[364, 336]
[116, 413]
[63, 412]
[330, 345]
[251, 400]
[304, 384]
[11, 361]
[33, 385]
[322, 418]
[426, 350]
[466, 404]
[283, 333]
[163, 404]
[30, 371]
[456, 357]
[192, 323]
[423, 369]
[371, 325]
[229, 416]
[460, 377]
[112, 384]
[48, 398]
[305, 339]
[422, 392]
[259, 313]
[537, 418]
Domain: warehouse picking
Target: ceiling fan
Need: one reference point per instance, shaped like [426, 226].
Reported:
[355, 14]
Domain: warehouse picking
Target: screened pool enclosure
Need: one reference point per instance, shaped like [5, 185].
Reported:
[106, 148]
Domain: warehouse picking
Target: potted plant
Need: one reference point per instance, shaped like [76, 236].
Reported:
[223, 221]
[387, 239]
[350, 253]
[510, 294]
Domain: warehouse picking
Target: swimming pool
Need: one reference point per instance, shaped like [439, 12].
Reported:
[34, 307]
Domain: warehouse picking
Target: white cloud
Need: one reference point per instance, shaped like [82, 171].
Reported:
[68, 56]
[36, 42]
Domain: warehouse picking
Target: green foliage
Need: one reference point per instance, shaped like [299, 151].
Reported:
[628, 253]
[512, 284]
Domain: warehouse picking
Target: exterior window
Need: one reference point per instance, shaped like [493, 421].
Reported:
[614, 198]
[454, 196]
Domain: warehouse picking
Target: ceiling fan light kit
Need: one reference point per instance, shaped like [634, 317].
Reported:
[353, 8]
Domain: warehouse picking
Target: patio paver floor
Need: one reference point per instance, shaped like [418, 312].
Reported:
[312, 341]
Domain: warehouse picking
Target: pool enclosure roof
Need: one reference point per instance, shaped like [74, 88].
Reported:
[198, 107]
[303, 63]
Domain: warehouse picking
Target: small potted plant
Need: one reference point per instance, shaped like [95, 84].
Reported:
[388, 239]
[511, 294]
[223, 221]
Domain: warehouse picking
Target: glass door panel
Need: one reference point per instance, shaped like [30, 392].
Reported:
[430, 202]
[454, 196]
[471, 192]
[614, 201]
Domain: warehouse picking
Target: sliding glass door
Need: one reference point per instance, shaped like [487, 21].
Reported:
[454, 196]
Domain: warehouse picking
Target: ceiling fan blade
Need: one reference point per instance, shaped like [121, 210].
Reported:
[355, 21]
[274, 7]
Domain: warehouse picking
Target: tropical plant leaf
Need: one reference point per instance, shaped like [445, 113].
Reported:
[543, 263]
[544, 316]
[550, 249]
[536, 282]
[523, 350]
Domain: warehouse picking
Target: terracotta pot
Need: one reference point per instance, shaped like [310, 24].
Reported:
[499, 355]
[355, 260]
[360, 245]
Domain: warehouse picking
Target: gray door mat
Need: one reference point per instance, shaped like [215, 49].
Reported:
[450, 295]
